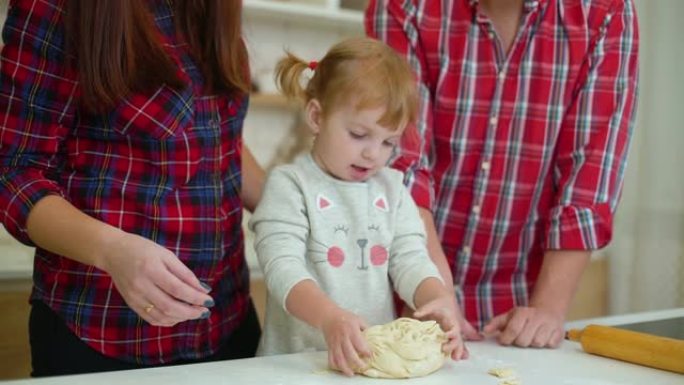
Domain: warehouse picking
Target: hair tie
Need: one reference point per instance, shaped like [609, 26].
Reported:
[312, 65]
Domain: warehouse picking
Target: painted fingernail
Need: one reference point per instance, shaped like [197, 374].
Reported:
[205, 286]
[209, 303]
[205, 315]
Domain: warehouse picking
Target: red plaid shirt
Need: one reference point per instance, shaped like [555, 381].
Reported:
[522, 151]
[164, 165]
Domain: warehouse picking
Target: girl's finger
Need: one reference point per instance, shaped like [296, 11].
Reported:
[352, 357]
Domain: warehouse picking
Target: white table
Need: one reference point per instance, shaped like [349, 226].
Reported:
[568, 365]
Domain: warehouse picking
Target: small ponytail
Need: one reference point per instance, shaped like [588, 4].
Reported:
[359, 70]
[288, 73]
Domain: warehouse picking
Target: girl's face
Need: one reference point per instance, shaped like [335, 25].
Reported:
[350, 145]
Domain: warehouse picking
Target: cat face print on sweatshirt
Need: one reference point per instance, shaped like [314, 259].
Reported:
[341, 243]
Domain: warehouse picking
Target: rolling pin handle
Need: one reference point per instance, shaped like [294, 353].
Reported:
[573, 334]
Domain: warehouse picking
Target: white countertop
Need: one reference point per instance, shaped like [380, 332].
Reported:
[568, 365]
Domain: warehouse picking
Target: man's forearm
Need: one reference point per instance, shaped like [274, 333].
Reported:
[558, 279]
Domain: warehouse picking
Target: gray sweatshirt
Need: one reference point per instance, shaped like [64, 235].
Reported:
[355, 240]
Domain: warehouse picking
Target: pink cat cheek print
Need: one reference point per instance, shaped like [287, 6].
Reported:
[378, 256]
[335, 256]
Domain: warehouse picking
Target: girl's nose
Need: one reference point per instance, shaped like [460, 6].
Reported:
[370, 152]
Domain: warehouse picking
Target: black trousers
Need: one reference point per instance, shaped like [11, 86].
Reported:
[56, 350]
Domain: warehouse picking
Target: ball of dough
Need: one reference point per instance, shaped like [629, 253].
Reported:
[404, 348]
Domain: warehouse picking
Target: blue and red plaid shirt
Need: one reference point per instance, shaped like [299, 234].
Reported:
[522, 151]
[164, 165]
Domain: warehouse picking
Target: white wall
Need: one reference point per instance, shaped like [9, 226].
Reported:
[647, 253]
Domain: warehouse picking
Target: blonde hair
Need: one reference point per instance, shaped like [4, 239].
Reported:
[362, 70]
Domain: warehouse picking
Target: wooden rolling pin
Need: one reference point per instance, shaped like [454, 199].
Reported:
[638, 348]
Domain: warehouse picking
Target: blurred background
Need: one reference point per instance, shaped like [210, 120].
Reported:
[641, 270]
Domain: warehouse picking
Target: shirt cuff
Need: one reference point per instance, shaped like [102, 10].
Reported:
[19, 195]
[580, 228]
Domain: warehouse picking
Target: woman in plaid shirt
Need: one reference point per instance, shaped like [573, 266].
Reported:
[121, 160]
[526, 112]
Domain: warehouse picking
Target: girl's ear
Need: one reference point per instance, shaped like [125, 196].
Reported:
[313, 113]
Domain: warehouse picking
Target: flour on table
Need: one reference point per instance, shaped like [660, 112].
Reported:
[502, 372]
[507, 376]
[404, 348]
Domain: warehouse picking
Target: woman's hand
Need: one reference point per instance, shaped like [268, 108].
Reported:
[346, 345]
[443, 310]
[154, 282]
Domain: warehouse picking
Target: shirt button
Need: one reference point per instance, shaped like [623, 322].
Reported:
[476, 209]
[466, 250]
[486, 165]
[493, 121]
[212, 123]
[502, 75]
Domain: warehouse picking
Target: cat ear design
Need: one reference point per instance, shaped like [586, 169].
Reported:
[380, 203]
[323, 203]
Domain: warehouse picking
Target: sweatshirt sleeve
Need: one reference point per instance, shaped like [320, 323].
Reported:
[409, 262]
[281, 227]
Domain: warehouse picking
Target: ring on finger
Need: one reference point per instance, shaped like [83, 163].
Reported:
[149, 308]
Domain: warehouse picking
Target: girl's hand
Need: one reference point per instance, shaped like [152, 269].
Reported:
[443, 310]
[467, 330]
[154, 282]
[346, 344]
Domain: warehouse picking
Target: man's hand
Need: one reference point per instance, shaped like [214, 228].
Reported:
[541, 324]
[528, 326]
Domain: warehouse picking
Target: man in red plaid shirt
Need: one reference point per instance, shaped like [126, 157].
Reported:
[526, 112]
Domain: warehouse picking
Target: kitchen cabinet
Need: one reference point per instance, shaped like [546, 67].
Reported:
[15, 352]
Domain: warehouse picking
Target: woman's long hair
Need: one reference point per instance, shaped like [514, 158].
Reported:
[116, 48]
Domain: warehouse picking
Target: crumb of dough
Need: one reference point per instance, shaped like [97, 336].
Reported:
[321, 371]
[502, 372]
[510, 381]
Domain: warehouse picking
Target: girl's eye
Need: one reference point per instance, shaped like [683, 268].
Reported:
[388, 143]
[356, 135]
[342, 229]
